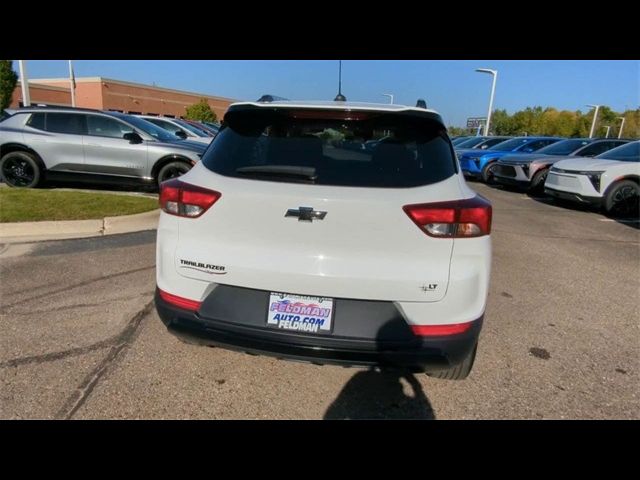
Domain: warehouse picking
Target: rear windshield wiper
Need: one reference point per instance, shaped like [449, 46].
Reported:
[291, 171]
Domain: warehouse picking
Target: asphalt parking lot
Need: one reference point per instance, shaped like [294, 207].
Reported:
[561, 339]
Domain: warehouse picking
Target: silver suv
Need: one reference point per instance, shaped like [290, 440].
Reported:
[39, 144]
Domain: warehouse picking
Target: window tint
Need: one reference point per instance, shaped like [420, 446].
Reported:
[196, 131]
[170, 127]
[510, 145]
[536, 145]
[36, 121]
[491, 142]
[471, 142]
[596, 149]
[459, 140]
[626, 153]
[149, 128]
[564, 147]
[106, 127]
[370, 150]
[72, 123]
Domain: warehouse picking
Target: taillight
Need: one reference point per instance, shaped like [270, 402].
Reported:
[180, 302]
[440, 330]
[186, 200]
[454, 219]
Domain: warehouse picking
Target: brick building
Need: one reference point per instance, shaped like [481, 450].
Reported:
[109, 94]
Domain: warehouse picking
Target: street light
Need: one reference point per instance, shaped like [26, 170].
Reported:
[606, 135]
[595, 116]
[494, 73]
[390, 97]
[621, 127]
[24, 84]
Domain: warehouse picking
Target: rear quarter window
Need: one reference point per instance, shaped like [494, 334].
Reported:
[336, 148]
[36, 120]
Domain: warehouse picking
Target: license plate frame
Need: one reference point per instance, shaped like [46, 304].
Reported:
[311, 313]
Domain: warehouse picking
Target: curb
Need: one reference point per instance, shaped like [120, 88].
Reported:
[21, 232]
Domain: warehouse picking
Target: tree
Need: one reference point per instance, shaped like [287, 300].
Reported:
[8, 80]
[201, 112]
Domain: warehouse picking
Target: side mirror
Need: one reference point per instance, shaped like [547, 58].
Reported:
[133, 137]
[181, 134]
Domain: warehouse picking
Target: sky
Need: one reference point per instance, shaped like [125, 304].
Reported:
[451, 87]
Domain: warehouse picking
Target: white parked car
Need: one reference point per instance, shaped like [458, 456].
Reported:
[181, 129]
[283, 242]
[610, 180]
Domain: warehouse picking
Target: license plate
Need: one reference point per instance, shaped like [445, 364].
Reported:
[300, 313]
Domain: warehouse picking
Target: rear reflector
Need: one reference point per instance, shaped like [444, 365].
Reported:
[454, 219]
[186, 200]
[440, 330]
[180, 302]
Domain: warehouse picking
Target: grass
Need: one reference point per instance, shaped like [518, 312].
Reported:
[26, 205]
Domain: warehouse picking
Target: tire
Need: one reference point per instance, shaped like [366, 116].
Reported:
[487, 176]
[20, 170]
[458, 372]
[537, 182]
[623, 199]
[173, 170]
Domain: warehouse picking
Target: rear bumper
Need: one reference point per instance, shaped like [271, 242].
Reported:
[573, 197]
[402, 351]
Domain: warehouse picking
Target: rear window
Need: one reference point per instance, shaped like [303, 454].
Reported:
[357, 149]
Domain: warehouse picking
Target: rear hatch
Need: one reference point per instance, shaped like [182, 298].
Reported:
[306, 209]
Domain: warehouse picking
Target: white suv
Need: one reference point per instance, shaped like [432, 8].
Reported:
[610, 180]
[288, 240]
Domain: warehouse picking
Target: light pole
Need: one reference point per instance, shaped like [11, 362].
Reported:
[621, 127]
[24, 84]
[72, 83]
[606, 135]
[494, 73]
[595, 116]
[390, 97]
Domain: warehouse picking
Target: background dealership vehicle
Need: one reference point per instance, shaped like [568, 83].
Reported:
[282, 242]
[610, 180]
[457, 140]
[208, 129]
[481, 143]
[530, 171]
[478, 164]
[179, 128]
[89, 145]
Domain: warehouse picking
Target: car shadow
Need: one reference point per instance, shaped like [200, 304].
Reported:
[383, 393]
[380, 394]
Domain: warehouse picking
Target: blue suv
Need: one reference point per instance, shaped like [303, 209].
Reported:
[478, 164]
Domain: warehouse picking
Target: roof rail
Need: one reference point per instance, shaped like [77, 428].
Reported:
[55, 107]
[270, 98]
[421, 104]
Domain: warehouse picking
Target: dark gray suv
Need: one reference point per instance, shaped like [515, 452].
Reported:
[89, 145]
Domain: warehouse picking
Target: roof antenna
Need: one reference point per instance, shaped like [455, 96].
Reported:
[340, 97]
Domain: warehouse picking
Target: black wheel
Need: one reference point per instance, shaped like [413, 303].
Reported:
[487, 174]
[537, 182]
[459, 372]
[20, 169]
[173, 170]
[623, 199]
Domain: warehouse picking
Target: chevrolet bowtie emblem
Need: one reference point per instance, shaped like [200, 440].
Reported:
[305, 214]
